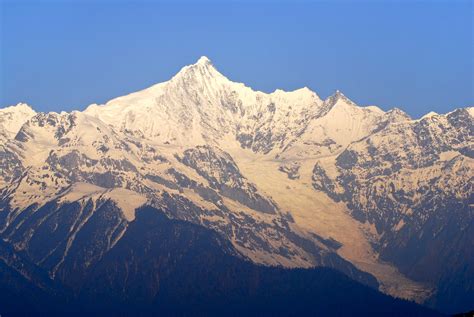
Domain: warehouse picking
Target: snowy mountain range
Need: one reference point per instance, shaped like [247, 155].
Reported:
[286, 178]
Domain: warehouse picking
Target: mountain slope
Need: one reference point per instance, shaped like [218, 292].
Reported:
[287, 178]
[416, 188]
[12, 118]
[174, 267]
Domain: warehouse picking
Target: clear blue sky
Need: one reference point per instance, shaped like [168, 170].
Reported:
[64, 55]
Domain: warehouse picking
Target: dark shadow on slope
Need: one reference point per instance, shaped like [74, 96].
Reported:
[172, 267]
[163, 265]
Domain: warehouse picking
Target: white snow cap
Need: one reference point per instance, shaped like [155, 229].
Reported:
[203, 60]
[12, 118]
[430, 114]
[18, 107]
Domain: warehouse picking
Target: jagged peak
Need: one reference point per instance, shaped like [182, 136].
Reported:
[469, 111]
[203, 60]
[397, 115]
[202, 68]
[398, 111]
[12, 119]
[465, 111]
[301, 94]
[299, 90]
[430, 114]
[23, 107]
[338, 96]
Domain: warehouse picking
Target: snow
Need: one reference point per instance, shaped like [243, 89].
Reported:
[448, 155]
[80, 191]
[470, 110]
[12, 118]
[200, 106]
[315, 212]
[374, 109]
[126, 200]
[430, 114]
[203, 60]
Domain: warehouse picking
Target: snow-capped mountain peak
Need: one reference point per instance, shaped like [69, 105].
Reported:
[200, 71]
[203, 60]
[337, 97]
[429, 115]
[288, 178]
[12, 118]
[301, 94]
[19, 107]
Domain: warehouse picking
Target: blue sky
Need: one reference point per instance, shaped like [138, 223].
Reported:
[64, 55]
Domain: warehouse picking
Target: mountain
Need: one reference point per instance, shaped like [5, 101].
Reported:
[285, 178]
[12, 118]
[188, 269]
